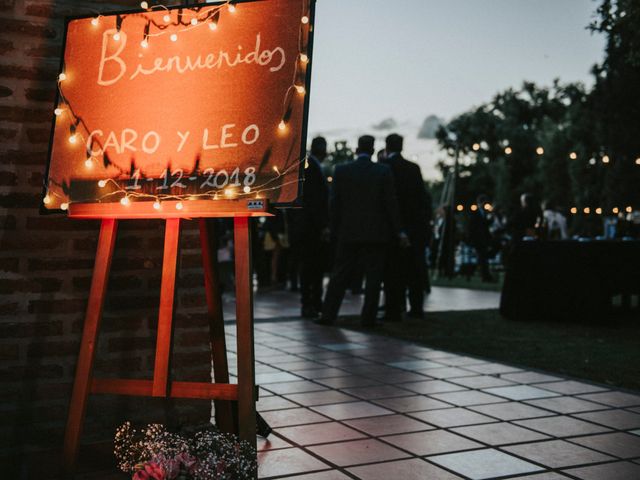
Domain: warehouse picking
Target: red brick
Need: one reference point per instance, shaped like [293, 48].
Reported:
[25, 328]
[57, 306]
[38, 135]
[5, 91]
[9, 264]
[16, 157]
[60, 264]
[41, 94]
[8, 133]
[8, 179]
[28, 73]
[23, 27]
[21, 114]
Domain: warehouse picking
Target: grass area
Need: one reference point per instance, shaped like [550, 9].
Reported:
[474, 282]
[608, 352]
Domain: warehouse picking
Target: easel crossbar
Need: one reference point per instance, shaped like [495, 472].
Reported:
[144, 388]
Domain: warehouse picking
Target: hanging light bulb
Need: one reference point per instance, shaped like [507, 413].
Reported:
[232, 7]
[629, 209]
[116, 36]
[62, 77]
[606, 159]
[179, 206]
[174, 37]
[508, 150]
[64, 206]
[166, 18]
[476, 147]
[73, 138]
[574, 210]
[144, 5]
[300, 89]
[58, 111]
[157, 205]
[573, 155]
[599, 211]
[540, 151]
[282, 126]
[194, 21]
[213, 26]
[587, 210]
[95, 21]
[88, 163]
[47, 199]
[125, 201]
[638, 161]
[102, 183]
[305, 20]
[460, 208]
[304, 58]
[246, 189]
[615, 210]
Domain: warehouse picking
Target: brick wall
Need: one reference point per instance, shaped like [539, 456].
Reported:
[46, 264]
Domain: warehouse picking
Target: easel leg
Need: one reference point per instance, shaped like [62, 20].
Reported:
[224, 410]
[84, 369]
[244, 316]
[167, 300]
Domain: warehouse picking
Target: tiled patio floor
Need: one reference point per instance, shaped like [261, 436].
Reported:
[346, 405]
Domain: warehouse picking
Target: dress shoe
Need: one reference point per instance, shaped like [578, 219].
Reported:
[416, 315]
[324, 321]
[309, 312]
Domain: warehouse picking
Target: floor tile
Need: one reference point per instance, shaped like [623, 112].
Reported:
[292, 416]
[431, 442]
[431, 386]
[557, 454]
[566, 404]
[613, 399]
[608, 471]
[274, 442]
[320, 398]
[342, 347]
[529, 377]
[378, 391]
[330, 475]
[570, 387]
[466, 398]
[510, 411]
[388, 425]
[319, 433]
[415, 364]
[520, 392]
[294, 387]
[414, 403]
[542, 476]
[493, 368]
[357, 452]
[400, 377]
[460, 361]
[561, 426]
[499, 433]
[317, 373]
[619, 419]
[481, 381]
[267, 378]
[300, 365]
[448, 372]
[287, 462]
[452, 417]
[347, 382]
[273, 402]
[413, 469]
[622, 445]
[344, 411]
[484, 464]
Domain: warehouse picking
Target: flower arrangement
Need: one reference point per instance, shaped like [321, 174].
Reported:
[208, 454]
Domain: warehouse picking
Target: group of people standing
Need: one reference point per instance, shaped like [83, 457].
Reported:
[377, 215]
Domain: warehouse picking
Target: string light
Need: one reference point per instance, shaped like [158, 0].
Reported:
[232, 7]
[73, 138]
[304, 20]
[246, 189]
[116, 36]
[62, 77]
[229, 192]
[64, 206]
[540, 151]
[476, 147]
[157, 205]
[599, 211]
[638, 161]
[574, 210]
[275, 169]
[166, 18]
[102, 183]
[488, 207]
[213, 26]
[144, 5]
[95, 21]
[88, 163]
[282, 125]
[474, 208]
[592, 161]
[629, 209]
[587, 210]
[194, 21]
[174, 37]
[573, 155]
[460, 208]
[300, 89]
[615, 210]
[125, 201]
[179, 206]
[58, 111]
[46, 200]
[605, 159]
[508, 150]
[144, 43]
[304, 58]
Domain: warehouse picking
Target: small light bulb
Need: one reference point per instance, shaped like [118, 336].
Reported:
[615, 210]
[487, 206]
[460, 208]
[62, 77]
[282, 126]
[116, 36]
[64, 206]
[606, 159]
[246, 189]
[474, 208]
[58, 112]
[213, 26]
[592, 161]
[275, 169]
[95, 21]
[508, 150]
[599, 211]
[638, 161]
[232, 7]
[73, 138]
[46, 200]
[629, 209]
[88, 163]
[304, 58]
[574, 210]
[305, 19]
[229, 192]
[573, 155]
[476, 147]
[587, 210]
[540, 151]
[174, 37]
[144, 5]
[166, 19]
[194, 21]
[157, 205]
[144, 43]
[102, 183]
[125, 201]
[300, 89]
[179, 206]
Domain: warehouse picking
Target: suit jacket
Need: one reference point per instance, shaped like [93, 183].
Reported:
[364, 206]
[309, 222]
[479, 233]
[413, 199]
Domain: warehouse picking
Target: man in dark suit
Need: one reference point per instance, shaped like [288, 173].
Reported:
[407, 267]
[310, 230]
[364, 219]
[480, 237]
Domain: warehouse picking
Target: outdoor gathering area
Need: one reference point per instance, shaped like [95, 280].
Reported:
[320, 240]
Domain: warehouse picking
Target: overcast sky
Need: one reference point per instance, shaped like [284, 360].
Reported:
[411, 58]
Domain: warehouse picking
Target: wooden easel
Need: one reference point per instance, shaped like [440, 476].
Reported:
[224, 393]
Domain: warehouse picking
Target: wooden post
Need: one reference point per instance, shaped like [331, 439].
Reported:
[165, 316]
[225, 415]
[84, 368]
[244, 325]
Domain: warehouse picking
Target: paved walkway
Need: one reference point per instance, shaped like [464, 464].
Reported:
[286, 304]
[353, 405]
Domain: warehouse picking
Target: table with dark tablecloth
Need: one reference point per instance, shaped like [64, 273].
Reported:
[569, 279]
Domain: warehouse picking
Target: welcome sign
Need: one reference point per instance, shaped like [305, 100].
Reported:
[193, 103]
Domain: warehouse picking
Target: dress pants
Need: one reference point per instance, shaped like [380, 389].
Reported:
[312, 258]
[406, 270]
[371, 257]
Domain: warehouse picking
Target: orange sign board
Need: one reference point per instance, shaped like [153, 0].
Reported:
[189, 103]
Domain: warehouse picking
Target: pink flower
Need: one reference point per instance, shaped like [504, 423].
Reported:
[151, 471]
